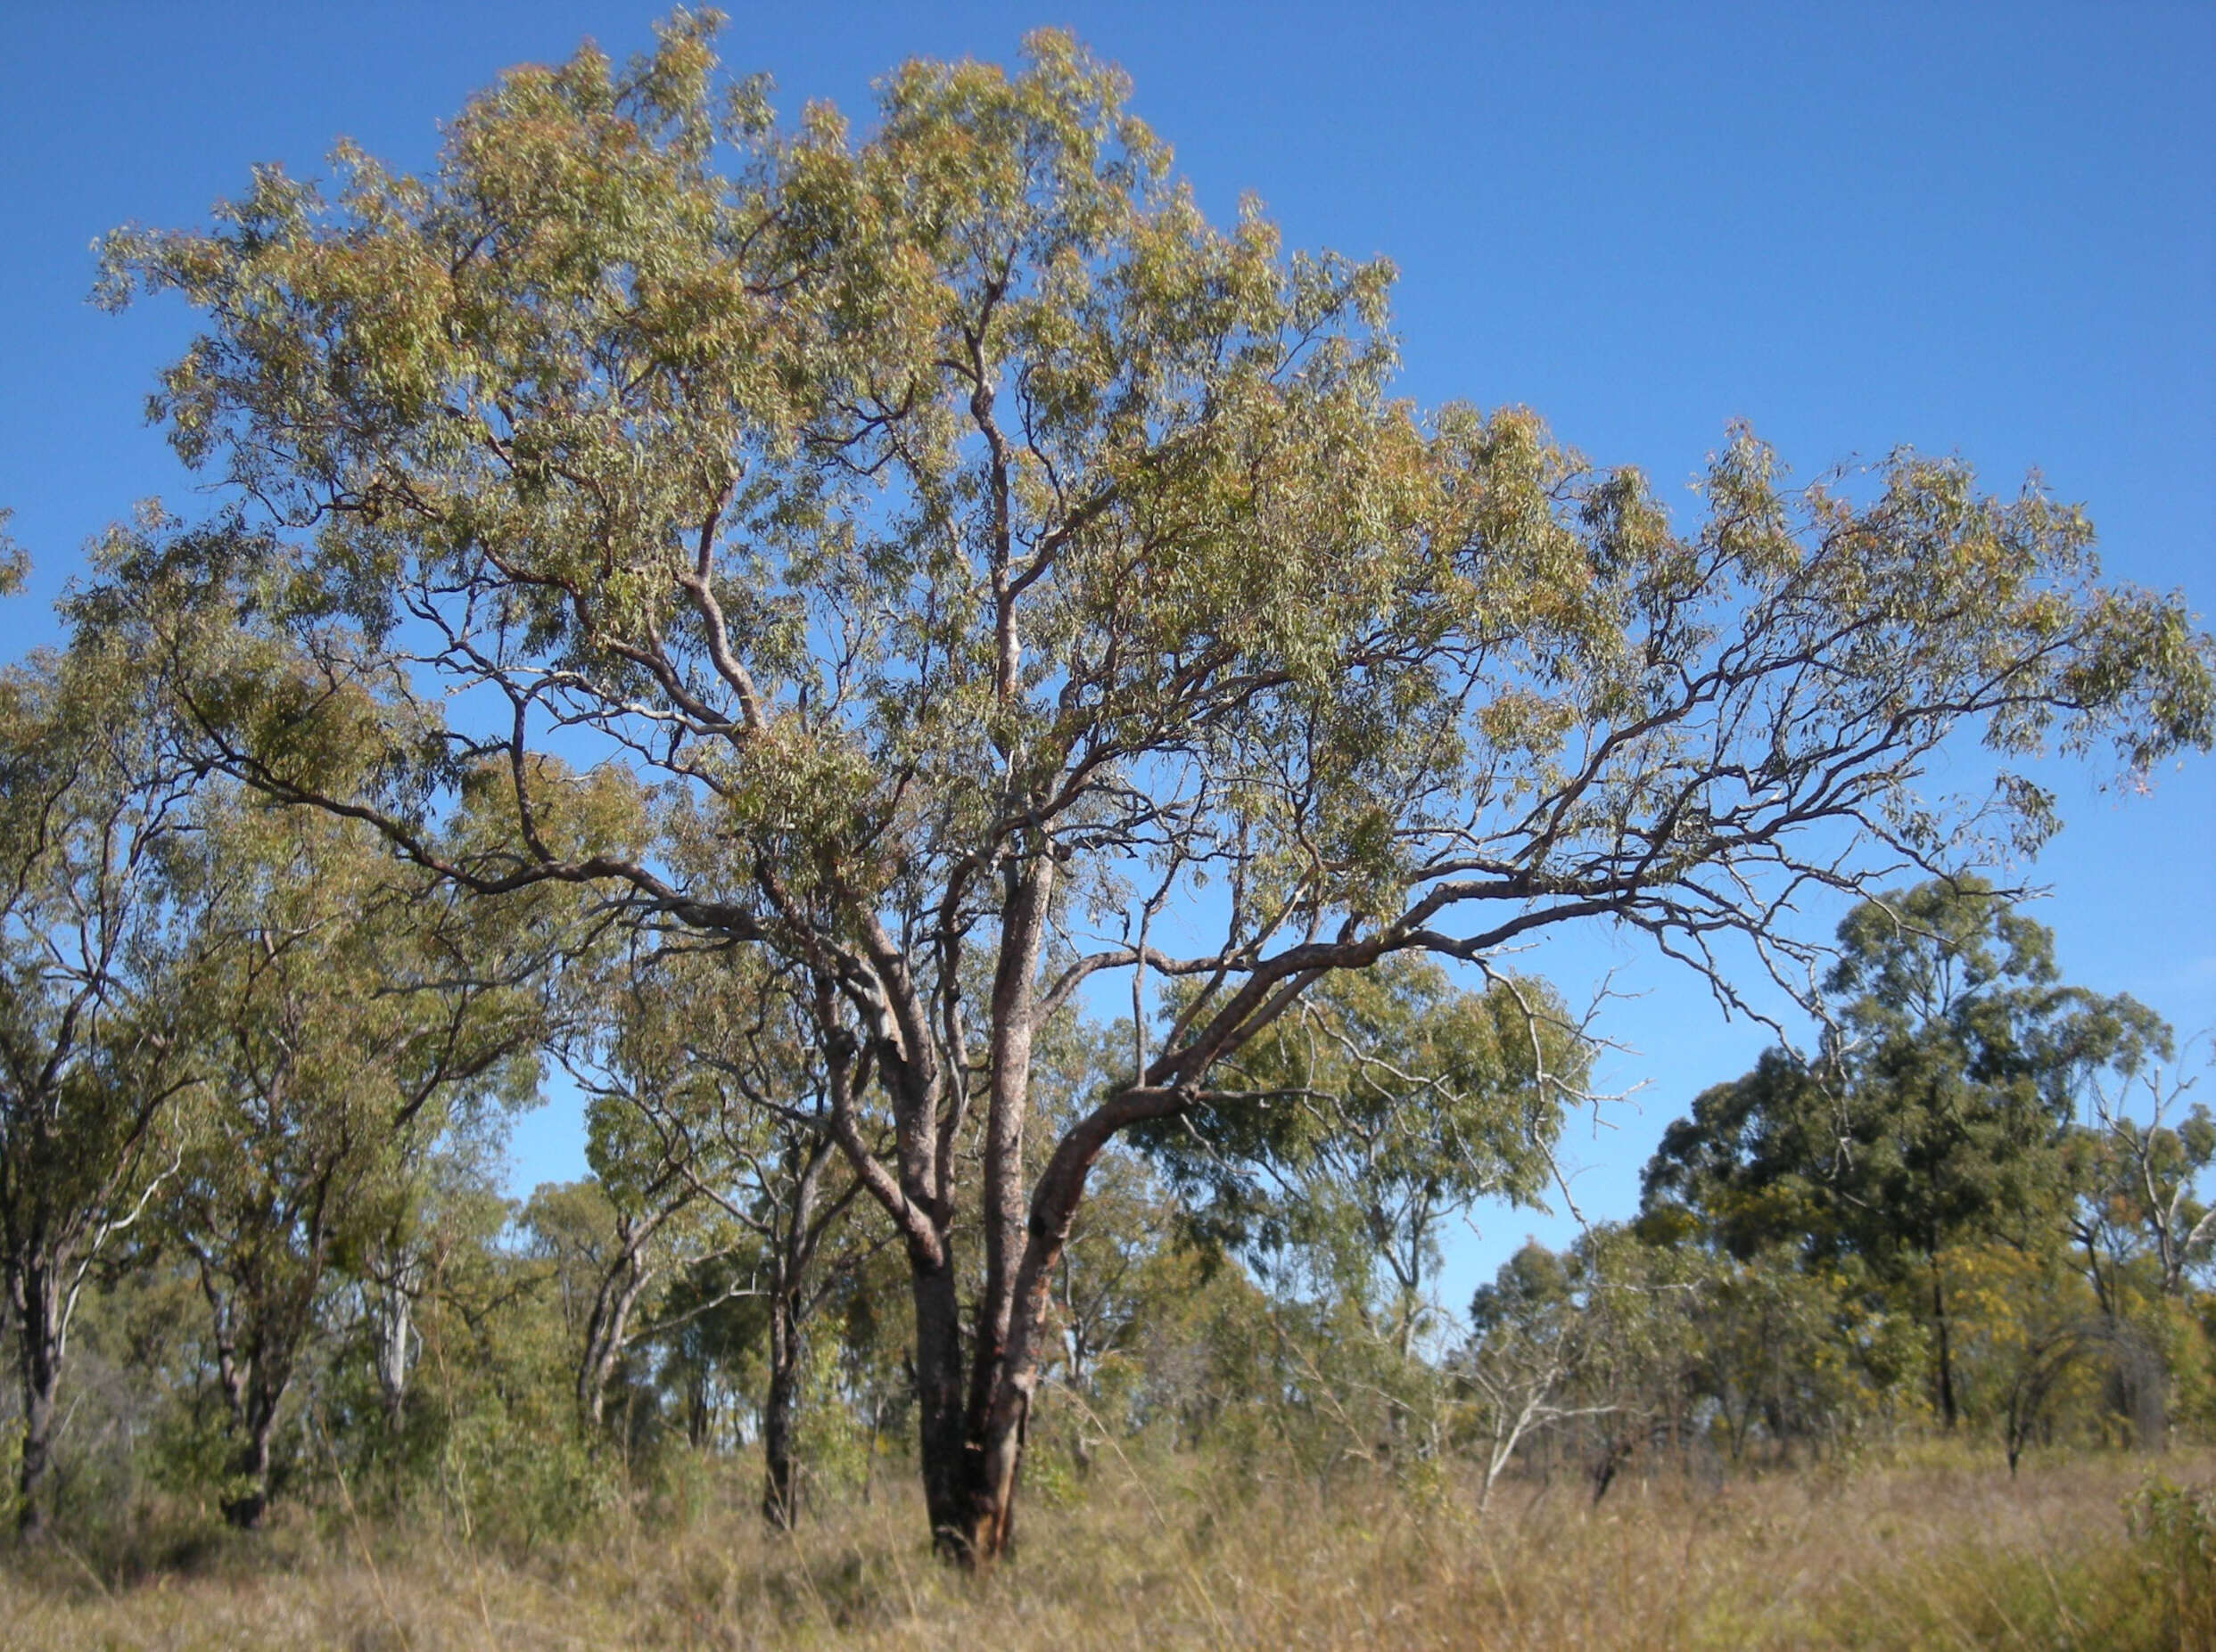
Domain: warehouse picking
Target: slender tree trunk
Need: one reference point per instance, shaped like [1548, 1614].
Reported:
[779, 1501]
[790, 1303]
[1947, 1409]
[606, 1329]
[394, 1315]
[699, 1410]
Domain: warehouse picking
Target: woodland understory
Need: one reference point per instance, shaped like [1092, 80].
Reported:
[1928, 1546]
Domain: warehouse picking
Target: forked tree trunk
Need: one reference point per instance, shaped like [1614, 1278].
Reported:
[973, 1455]
[974, 1404]
[607, 1333]
[259, 1329]
[998, 1436]
[1015, 1290]
[256, 1388]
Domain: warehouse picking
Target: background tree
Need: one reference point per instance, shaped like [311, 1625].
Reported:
[1393, 1100]
[1939, 1115]
[1526, 1342]
[974, 538]
[1107, 1286]
[433, 1211]
[95, 805]
[2141, 1178]
[339, 1026]
[714, 1059]
[717, 1328]
[616, 1239]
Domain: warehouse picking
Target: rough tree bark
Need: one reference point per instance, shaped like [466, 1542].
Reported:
[38, 1307]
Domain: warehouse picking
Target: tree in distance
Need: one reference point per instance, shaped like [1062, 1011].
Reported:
[972, 551]
[708, 1101]
[1941, 1113]
[1398, 1101]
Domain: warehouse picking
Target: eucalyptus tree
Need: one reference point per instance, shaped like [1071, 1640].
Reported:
[1939, 1113]
[711, 1350]
[2142, 1177]
[981, 551]
[94, 806]
[1105, 1283]
[14, 561]
[1386, 1103]
[709, 1066]
[344, 1015]
[424, 1224]
[1530, 1342]
[615, 1238]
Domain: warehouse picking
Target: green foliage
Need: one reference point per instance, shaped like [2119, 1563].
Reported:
[962, 482]
[2175, 1528]
[15, 561]
[1940, 1106]
[1384, 1104]
[1935, 1157]
[96, 813]
[867, 566]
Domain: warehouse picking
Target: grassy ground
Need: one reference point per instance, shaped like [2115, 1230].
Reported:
[1938, 1552]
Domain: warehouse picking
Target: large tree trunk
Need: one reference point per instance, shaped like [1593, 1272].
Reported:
[998, 1437]
[994, 1427]
[40, 1340]
[254, 1386]
[974, 1413]
[942, 1442]
[254, 1379]
[245, 1507]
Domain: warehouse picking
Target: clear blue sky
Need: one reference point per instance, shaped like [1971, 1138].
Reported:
[1984, 229]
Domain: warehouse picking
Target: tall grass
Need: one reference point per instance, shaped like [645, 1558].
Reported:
[1932, 1550]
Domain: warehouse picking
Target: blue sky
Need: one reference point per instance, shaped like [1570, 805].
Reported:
[1982, 229]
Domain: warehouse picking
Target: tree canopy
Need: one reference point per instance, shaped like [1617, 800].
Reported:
[966, 552]
[1944, 1110]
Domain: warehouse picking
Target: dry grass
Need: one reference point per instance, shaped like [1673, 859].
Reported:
[1938, 1552]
